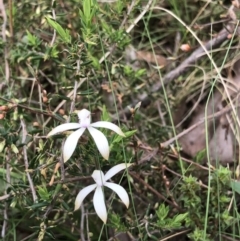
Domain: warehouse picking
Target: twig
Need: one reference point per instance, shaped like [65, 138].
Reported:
[5, 213]
[182, 68]
[34, 110]
[215, 115]
[6, 196]
[175, 234]
[198, 100]
[137, 177]
[54, 172]
[54, 31]
[4, 26]
[161, 115]
[47, 78]
[82, 80]
[73, 179]
[129, 29]
[82, 223]
[24, 135]
[87, 226]
[10, 17]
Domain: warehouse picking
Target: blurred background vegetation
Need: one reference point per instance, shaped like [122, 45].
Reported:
[112, 57]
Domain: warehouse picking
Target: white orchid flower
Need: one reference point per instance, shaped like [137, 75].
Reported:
[98, 198]
[85, 123]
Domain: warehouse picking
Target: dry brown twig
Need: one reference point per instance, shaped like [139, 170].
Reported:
[215, 115]
[4, 29]
[182, 68]
[139, 179]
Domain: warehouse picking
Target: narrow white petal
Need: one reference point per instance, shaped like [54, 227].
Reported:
[71, 143]
[114, 170]
[82, 194]
[99, 204]
[121, 192]
[101, 142]
[108, 125]
[63, 127]
[98, 177]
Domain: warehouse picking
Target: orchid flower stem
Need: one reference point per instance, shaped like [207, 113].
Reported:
[133, 138]
[97, 164]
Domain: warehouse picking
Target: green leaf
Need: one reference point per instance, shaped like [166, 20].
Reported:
[118, 138]
[200, 155]
[179, 218]
[162, 211]
[32, 40]
[105, 116]
[43, 193]
[235, 186]
[64, 34]
[87, 4]
[14, 149]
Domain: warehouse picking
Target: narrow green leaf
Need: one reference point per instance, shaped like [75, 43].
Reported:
[64, 34]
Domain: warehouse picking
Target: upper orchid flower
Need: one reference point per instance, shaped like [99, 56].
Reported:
[85, 123]
[98, 198]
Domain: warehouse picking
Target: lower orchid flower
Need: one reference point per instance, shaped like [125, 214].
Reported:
[85, 123]
[98, 198]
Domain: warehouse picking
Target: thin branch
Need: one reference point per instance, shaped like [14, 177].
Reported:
[54, 31]
[175, 234]
[33, 110]
[137, 177]
[5, 212]
[10, 5]
[215, 115]
[73, 179]
[82, 80]
[129, 29]
[24, 135]
[4, 29]
[4, 197]
[82, 223]
[182, 68]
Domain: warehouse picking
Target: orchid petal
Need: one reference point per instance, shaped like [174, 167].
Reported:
[98, 177]
[114, 170]
[64, 127]
[82, 194]
[101, 142]
[121, 192]
[99, 204]
[84, 117]
[108, 125]
[71, 143]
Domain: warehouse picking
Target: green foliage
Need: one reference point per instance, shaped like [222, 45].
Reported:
[64, 34]
[61, 57]
[195, 201]
[164, 222]
[87, 14]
